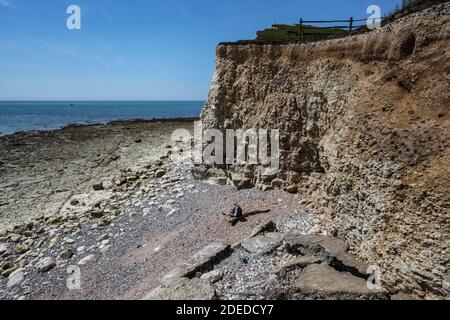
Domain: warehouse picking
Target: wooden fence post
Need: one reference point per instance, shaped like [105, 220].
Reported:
[301, 30]
[351, 24]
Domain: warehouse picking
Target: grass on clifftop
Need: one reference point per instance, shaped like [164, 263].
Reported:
[283, 32]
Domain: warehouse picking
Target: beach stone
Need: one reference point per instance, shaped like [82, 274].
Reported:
[323, 282]
[103, 237]
[104, 221]
[222, 181]
[15, 237]
[74, 202]
[292, 188]
[98, 186]
[28, 233]
[241, 182]
[16, 278]
[21, 248]
[165, 208]
[277, 183]
[263, 244]
[81, 249]
[46, 265]
[84, 261]
[160, 173]
[54, 220]
[184, 289]
[266, 188]
[53, 242]
[213, 276]
[8, 272]
[6, 265]
[3, 248]
[96, 214]
[105, 249]
[6, 254]
[65, 255]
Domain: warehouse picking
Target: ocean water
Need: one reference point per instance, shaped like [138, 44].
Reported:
[26, 116]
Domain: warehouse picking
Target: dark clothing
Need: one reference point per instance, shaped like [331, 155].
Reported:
[236, 212]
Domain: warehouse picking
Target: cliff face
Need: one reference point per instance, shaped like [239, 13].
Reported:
[364, 125]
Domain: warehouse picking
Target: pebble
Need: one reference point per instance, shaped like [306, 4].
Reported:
[105, 249]
[15, 237]
[85, 260]
[22, 248]
[160, 173]
[81, 249]
[104, 237]
[16, 278]
[46, 264]
[98, 186]
[65, 255]
[3, 248]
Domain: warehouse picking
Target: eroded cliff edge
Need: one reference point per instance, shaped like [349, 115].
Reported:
[365, 130]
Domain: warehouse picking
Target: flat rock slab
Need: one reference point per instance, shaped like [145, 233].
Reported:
[324, 282]
[199, 261]
[297, 263]
[317, 245]
[332, 250]
[265, 226]
[263, 244]
[184, 289]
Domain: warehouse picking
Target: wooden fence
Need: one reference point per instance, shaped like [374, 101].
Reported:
[349, 25]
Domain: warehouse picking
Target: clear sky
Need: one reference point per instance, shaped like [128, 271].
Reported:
[136, 49]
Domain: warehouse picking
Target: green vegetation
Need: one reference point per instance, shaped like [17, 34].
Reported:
[283, 33]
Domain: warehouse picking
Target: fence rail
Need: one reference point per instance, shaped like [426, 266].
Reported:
[304, 27]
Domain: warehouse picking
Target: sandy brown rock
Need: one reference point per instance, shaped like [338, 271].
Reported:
[323, 282]
[365, 130]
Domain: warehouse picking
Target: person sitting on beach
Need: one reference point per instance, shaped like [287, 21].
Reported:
[236, 212]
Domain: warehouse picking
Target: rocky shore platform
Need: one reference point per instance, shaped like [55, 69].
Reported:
[101, 212]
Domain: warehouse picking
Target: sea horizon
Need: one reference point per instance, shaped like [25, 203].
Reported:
[46, 115]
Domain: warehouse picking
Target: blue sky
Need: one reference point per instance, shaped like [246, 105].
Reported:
[136, 49]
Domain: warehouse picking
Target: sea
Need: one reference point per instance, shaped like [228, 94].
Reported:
[50, 115]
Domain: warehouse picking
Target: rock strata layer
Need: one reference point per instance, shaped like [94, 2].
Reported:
[364, 132]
